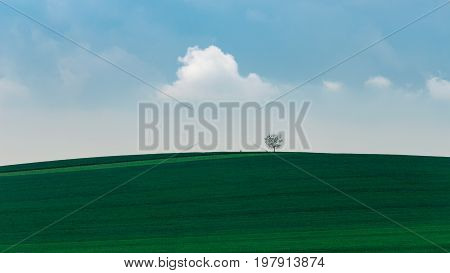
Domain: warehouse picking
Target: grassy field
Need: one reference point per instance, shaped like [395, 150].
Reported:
[228, 202]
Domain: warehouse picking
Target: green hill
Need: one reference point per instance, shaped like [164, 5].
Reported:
[228, 202]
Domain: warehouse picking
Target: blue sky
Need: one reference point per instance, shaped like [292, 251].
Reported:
[394, 98]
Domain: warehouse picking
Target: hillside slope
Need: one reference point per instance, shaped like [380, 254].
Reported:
[228, 202]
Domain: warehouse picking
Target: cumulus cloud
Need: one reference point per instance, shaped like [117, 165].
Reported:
[332, 86]
[10, 88]
[211, 74]
[439, 88]
[378, 82]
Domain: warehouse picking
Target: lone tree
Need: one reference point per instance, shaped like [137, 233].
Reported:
[274, 141]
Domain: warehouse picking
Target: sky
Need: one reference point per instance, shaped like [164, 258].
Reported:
[58, 102]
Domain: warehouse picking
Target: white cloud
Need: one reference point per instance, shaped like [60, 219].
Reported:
[212, 74]
[378, 82]
[10, 88]
[332, 86]
[439, 88]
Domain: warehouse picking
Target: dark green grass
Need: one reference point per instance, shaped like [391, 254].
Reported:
[236, 203]
[96, 160]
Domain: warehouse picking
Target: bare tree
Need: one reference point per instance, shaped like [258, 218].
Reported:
[274, 141]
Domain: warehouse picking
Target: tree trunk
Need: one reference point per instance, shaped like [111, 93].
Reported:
[274, 150]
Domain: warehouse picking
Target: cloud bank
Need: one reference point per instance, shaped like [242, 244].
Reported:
[438, 88]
